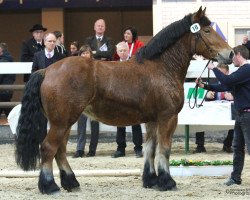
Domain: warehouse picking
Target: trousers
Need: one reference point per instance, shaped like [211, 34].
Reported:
[240, 140]
[81, 134]
[136, 137]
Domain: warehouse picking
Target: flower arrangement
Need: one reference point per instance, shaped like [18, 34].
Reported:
[185, 162]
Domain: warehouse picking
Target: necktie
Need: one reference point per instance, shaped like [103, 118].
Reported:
[49, 55]
[98, 43]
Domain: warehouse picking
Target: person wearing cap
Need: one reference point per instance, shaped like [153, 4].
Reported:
[32, 45]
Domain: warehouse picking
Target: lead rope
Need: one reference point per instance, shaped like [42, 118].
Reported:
[195, 91]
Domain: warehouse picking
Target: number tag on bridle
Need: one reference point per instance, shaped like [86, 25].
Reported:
[195, 28]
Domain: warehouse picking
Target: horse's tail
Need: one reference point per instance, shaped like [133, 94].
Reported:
[29, 128]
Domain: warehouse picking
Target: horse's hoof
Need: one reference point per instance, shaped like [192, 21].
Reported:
[47, 186]
[165, 181]
[149, 179]
[68, 181]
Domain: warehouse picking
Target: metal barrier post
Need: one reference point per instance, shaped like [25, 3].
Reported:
[186, 139]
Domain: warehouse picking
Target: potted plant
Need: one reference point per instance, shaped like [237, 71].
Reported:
[186, 167]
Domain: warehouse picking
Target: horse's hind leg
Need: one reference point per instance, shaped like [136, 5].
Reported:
[149, 175]
[68, 179]
[166, 128]
[49, 147]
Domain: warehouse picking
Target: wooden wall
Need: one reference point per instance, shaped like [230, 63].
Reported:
[79, 24]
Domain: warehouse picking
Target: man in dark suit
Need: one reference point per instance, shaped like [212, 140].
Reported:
[102, 46]
[33, 45]
[48, 56]
[43, 59]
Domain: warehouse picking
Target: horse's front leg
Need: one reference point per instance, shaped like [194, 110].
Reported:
[149, 175]
[49, 147]
[166, 128]
[68, 179]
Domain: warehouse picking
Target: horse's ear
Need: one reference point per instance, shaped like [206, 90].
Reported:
[198, 15]
[204, 12]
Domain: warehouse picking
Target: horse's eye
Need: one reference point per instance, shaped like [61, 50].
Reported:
[207, 30]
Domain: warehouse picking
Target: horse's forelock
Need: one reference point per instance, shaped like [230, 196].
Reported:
[204, 21]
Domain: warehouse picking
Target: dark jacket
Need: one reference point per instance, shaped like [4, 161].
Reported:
[238, 82]
[107, 55]
[28, 49]
[61, 49]
[39, 61]
[6, 79]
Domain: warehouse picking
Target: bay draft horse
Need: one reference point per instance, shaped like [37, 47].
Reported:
[116, 93]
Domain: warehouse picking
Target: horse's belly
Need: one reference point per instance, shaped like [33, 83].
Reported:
[112, 115]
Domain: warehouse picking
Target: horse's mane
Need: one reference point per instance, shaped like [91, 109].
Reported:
[167, 37]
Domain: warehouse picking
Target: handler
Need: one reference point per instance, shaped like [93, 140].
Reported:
[239, 83]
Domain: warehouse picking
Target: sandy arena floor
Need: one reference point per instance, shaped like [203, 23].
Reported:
[123, 188]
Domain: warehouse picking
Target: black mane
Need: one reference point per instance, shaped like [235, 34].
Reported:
[168, 36]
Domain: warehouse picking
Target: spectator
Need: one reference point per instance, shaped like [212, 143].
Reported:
[102, 46]
[6, 79]
[85, 51]
[130, 36]
[74, 48]
[211, 96]
[47, 56]
[246, 43]
[33, 45]
[43, 59]
[60, 43]
[123, 53]
[239, 83]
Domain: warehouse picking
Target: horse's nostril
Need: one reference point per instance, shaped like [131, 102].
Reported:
[231, 55]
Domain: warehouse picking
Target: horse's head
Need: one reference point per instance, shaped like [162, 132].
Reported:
[206, 41]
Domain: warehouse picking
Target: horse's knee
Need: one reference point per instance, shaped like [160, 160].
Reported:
[46, 183]
[165, 181]
[149, 177]
[68, 181]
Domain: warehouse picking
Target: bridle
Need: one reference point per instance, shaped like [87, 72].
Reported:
[195, 29]
[198, 37]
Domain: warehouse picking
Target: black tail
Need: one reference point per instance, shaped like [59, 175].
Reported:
[29, 128]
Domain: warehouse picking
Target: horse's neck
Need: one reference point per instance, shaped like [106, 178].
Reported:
[177, 58]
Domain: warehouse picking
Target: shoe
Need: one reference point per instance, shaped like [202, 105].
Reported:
[118, 154]
[200, 149]
[90, 154]
[231, 181]
[138, 154]
[78, 154]
[227, 149]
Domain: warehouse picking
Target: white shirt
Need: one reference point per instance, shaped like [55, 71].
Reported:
[97, 37]
[47, 53]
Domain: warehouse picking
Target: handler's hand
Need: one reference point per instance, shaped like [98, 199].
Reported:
[210, 95]
[211, 66]
[229, 96]
[198, 81]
